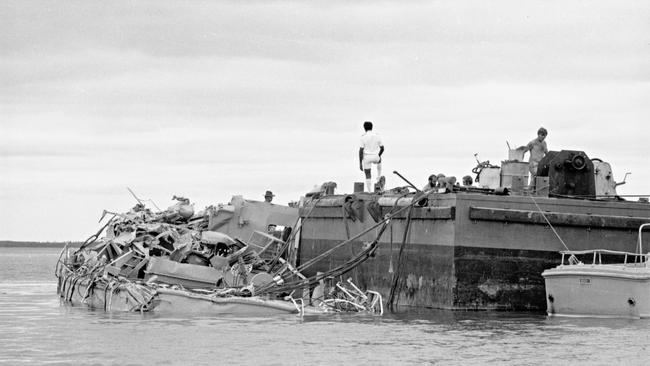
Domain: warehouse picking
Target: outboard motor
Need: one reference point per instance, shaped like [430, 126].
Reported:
[570, 173]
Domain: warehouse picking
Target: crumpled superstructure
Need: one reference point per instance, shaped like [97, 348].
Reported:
[143, 251]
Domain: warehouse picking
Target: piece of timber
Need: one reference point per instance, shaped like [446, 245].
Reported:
[556, 218]
[433, 213]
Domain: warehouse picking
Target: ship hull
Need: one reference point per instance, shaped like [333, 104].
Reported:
[465, 250]
[130, 297]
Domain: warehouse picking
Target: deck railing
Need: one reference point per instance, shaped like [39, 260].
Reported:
[640, 259]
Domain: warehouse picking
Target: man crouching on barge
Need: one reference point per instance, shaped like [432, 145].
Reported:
[370, 153]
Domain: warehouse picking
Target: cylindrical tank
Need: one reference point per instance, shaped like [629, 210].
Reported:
[489, 178]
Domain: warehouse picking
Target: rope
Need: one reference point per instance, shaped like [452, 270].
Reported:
[572, 258]
[328, 252]
[390, 263]
[58, 262]
[344, 217]
[338, 271]
[396, 274]
[360, 258]
[548, 222]
[91, 239]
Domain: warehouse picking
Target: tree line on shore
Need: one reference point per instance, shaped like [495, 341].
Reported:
[37, 244]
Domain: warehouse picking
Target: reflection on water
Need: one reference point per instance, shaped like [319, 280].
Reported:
[38, 329]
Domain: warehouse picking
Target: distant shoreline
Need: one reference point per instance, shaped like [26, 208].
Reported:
[32, 244]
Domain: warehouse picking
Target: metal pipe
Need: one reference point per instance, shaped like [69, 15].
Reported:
[407, 181]
[640, 239]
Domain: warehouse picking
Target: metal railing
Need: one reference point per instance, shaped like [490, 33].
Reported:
[640, 259]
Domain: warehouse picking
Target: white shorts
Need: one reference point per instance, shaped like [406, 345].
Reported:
[370, 159]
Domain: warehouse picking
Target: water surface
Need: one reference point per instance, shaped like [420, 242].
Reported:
[37, 328]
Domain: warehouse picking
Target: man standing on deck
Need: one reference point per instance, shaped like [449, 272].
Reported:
[370, 153]
[537, 149]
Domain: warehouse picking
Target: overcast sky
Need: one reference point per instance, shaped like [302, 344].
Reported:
[218, 98]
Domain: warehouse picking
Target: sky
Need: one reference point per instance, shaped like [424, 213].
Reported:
[210, 99]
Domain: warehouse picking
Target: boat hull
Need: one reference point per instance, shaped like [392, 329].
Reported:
[83, 291]
[171, 301]
[598, 291]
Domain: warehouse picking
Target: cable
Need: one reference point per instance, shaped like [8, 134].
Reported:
[548, 222]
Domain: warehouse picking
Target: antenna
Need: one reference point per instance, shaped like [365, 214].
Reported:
[134, 196]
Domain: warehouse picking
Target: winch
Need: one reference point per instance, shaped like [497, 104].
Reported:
[569, 172]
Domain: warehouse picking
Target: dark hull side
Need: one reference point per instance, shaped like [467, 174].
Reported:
[468, 250]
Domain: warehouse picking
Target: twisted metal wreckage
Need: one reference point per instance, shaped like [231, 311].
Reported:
[168, 261]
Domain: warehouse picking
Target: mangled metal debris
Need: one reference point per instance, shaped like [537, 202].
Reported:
[169, 261]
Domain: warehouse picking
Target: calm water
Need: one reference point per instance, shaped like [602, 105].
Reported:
[36, 328]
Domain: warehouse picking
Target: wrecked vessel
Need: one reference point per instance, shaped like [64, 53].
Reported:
[168, 262]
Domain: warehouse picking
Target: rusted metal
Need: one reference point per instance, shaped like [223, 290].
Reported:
[571, 173]
[178, 250]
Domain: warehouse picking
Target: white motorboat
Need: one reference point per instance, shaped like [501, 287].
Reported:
[597, 289]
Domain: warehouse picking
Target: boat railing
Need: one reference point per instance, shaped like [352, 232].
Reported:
[639, 258]
[640, 241]
[630, 258]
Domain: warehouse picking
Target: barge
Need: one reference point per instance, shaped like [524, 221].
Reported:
[466, 248]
